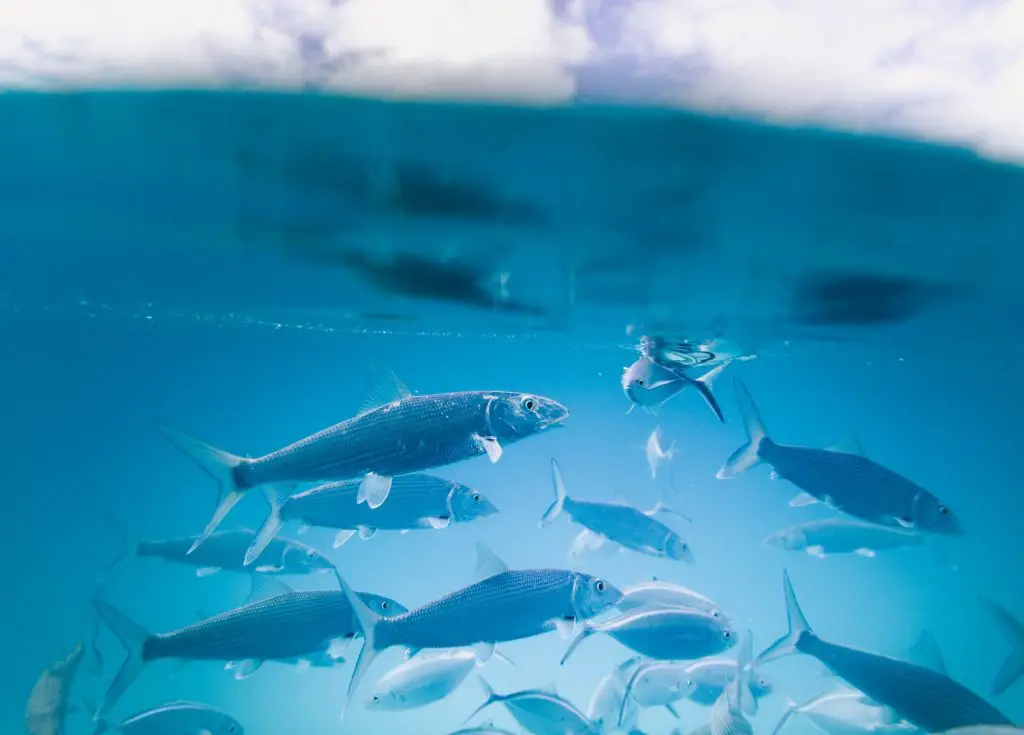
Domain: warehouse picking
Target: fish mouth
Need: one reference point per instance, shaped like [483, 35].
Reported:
[555, 415]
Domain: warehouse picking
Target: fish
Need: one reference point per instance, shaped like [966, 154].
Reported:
[728, 714]
[987, 730]
[619, 523]
[706, 680]
[588, 542]
[925, 698]
[842, 536]
[425, 678]
[606, 701]
[49, 703]
[1013, 631]
[276, 624]
[655, 454]
[650, 385]
[654, 684]
[665, 594]
[394, 433]
[175, 718]
[417, 501]
[846, 711]
[540, 711]
[664, 634]
[488, 728]
[500, 605]
[847, 482]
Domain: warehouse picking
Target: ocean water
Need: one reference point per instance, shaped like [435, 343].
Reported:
[234, 264]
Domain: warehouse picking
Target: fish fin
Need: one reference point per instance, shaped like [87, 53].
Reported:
[791, 709]
[584, 634]
[374, 490]
[1012, 629]
[818, 552]
[276, 499]
[262, 587]
[336, 647]
[368, 623]
[483, 651]
[903, 522]
[436, 522]
[488, 564]
[133, 637]
[802, 500]
[672, 711]
[703, 386]
[366, 533]
[774, 475]
[627, 692]
[303, 528]
[489, 698]
[556, 508]
[490, 445]
[206, 571]
[926, 652]
[101, 726]
[499, 656]
[268, 569]
[342, 536]
[403, 532]
[742, 697]
[662, 507]
[798, 628]
[850, 445]
[219, 465]
[748, 455]
[247, 668]
[303, 665]
[127, 551]
[865, 552]
[565, 628]
[383, 387]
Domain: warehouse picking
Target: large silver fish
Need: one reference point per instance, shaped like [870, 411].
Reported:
[851, 483]
[650, 385]
[842, 536]
[277, 624]
[665, 594]
[501, 605]
[395, 433]
[621, 524]
[925, 698]
[175, 718]
[416, 501]
[846, 712]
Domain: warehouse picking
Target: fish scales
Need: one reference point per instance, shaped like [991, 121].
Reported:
[416, 433]
[334, 505]
[621, 523]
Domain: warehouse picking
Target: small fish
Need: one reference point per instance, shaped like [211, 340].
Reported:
[841, 536]
[846, 712]
[500, 605]
[1012, 629]
[605, 708]
[655, 454]
[425, 678]
[850, 483]
[488, 728]
[619, 523]
[664, 634]
[416, 501]
[395, 433]
[49, 702]
[727, 715]
[707, 679]
[276, 624]
[927, 699]
[650, 385]
[541, 712]
[175, 718]
[656, 594]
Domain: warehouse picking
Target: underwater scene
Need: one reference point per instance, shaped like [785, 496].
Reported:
[337, 415]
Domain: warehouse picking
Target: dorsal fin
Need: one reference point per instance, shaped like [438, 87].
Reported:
[926, 652]
[264, 587]
[850, 445]
[488, 564]
[382, 387]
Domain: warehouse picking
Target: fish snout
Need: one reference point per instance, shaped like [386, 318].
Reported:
[680, 550]
[551, 413]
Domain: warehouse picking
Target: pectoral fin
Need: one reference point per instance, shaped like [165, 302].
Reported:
[490, 445]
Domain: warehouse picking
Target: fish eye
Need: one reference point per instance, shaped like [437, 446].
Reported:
[716, 614]
[375, 698]
[529, 403]
[476, 497]
[640, 381]
[383, 604]
[232, 728]
[943, 510]
[727, 634]
[599, 585]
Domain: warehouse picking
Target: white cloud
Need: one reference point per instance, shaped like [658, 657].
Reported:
[932, 68]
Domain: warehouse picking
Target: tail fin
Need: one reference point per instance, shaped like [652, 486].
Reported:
[703, 385]
[219, 465]
[588, 630]
[741, 696]
[1012, 629]
[102, 726]
[628, 692]
[133, 636]
[127, 550]
[560, 496]
[798, 627]
[276, 500]
[489, 698]
[368, 621]
[748, 455]
[791, 708]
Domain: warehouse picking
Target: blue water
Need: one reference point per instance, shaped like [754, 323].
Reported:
[152, 273]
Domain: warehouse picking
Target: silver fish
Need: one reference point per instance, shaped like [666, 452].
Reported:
[665, 594]
[846, 712]
[606, 701]
[395, 433]
[727, 716]
[665, 634]
[706, 680]
[175, 718]
[986, 730]
[650, 385]
[416, 501]
[49, 702]
[1012, 629]
[488, 728]
[277, 624]
[425, 678]
[851, 483]
[501, 605]
[541, 712]
[842, 536]
[925, 698]
[619, 523]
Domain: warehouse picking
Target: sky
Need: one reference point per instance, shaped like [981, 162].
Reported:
[943, 70]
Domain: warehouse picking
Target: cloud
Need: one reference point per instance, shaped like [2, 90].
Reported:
[950, 70]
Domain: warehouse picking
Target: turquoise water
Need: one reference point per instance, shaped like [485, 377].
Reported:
[227, 264]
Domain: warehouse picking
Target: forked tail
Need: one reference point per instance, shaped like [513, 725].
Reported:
[799, 629]
[555, 509]
[133, 636]
[749, 455]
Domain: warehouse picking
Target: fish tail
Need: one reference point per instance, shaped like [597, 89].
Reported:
[219, 465]
[749, 455]
[556, 508]
[628, 692]
[126, 553]
[791, 708]
[133, 637]
[799, 629]
[741, 696]
[489, 698]
[1012, 629]
[587, 631]
[368, 621]
[703, 386]
[101, 726]
[275, 499]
